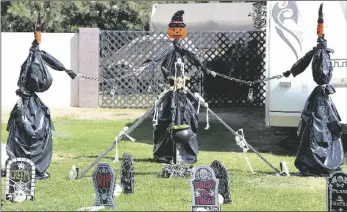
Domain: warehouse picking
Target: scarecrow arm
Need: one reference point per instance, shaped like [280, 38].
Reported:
[301, 65]
[55, 64]
[197, 63]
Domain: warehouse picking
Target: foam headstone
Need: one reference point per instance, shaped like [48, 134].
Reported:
[337, 192]
[224, 183]
[204, 187]
[20, 180]
[104, 180]
[127, 173]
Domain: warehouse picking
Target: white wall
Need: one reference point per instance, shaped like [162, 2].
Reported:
[14, 50]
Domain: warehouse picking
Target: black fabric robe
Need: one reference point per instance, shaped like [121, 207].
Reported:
[30, 126]
[320, 151]
[175, 110]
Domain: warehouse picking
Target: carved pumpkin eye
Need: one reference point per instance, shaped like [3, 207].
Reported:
[173, 29]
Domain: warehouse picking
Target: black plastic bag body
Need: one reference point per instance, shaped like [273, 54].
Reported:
[176, 110]
[34, 75]
[320, 150]
[322, 69]
[30, 126]
[30, 132]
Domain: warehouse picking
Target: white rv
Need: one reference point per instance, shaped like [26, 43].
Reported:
[291, 33]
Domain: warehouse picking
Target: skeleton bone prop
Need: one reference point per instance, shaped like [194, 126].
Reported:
[240, 141]
[202, 100]
[119, 137]
[250, 96]
[232, 131]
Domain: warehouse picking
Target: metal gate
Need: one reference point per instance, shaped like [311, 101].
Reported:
[235, 54]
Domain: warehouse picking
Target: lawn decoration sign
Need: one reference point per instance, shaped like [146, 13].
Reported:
[20, 180]
[204, 186]
[337, 192]
[104, 180]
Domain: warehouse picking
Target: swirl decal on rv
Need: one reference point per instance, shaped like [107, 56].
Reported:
[281, 12]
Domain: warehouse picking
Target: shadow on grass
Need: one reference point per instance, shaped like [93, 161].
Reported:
[147, 160]
[148, 173]
[218, 139]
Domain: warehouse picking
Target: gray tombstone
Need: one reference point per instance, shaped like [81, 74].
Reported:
[104, 180]
[127, 173]
[204, 187]
[337, 192]
[20, 180]
[224, 183]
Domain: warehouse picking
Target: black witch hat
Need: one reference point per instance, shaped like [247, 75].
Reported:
[320, 22]
[38, 23]
[37, 32]
[177, 19]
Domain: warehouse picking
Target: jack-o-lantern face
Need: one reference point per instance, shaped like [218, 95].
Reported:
[177, 32]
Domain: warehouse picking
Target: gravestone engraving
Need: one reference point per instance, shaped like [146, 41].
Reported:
[337, 192]
[20, 180]
[204, 187]
[127, 173]
[104, 180]
[224, 183]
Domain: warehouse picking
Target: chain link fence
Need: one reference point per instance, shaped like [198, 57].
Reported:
[235, 54]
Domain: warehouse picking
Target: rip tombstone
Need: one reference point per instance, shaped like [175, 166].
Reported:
[20, 180]
[104, 180]
[127, 173]
[337, 192]
[204, 187]
[224, 183]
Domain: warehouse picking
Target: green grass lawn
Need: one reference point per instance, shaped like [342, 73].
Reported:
[79, 142]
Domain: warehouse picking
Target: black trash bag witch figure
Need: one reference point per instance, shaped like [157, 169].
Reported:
[320, 151]
[30, 126]
[175, 119]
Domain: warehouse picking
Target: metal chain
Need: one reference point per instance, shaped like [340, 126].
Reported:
[81, 76]
[248, 82]
[135, 73]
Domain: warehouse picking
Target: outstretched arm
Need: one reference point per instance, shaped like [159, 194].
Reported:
[55, 64]
[192, 58]
[301, 65]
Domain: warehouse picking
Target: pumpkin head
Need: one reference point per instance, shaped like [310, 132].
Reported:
[177, 32]
[177, 29]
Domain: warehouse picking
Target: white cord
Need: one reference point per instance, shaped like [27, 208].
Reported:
[116, 158]
[197, 111]
[207, 121]
[155, 115]
[249, 164]
[123, 132]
